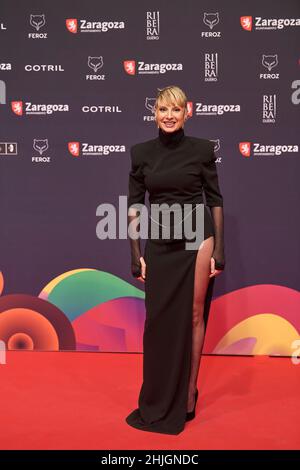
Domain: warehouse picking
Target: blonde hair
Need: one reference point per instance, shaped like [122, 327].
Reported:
[171, 94]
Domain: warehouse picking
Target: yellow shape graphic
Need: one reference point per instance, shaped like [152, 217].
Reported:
[274, 335]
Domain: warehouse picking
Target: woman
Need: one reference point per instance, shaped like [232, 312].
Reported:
[173, 168]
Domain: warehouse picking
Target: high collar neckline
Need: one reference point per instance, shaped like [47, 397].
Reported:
[171, 139]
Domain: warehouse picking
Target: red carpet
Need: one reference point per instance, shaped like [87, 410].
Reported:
[80, 401]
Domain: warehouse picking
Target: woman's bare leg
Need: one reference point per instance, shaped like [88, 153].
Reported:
[202, 271]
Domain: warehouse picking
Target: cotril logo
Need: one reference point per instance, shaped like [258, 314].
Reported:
[74, 148]
[245, 148]
[72, 25]
[246, 23]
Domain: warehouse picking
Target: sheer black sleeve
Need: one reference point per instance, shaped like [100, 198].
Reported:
[214, 200]
[136, 197]
[210, 180]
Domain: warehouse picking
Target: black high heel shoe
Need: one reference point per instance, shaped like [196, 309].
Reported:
[191, 414]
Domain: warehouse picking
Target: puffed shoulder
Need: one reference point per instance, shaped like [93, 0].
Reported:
[141, 146]
[206, 148]
[141, 150]
[136, 154]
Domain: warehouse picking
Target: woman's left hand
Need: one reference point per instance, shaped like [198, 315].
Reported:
[213, 270]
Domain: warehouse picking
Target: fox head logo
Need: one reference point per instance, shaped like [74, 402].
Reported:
[40, 145]
[71, 24]
[37, 21]
[74, 148]
[17, 107]
[211, 19]
[95, 63]
[216, 144]
[149, 104]
[129, 66]
[245, 148]
[246, 23]
[269, 61]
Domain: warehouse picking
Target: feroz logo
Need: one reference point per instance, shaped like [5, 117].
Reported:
[149, 104]
[129, 66]
[40, 145]
[245, 148]
[95, 63]
[211, 19]
[246, 23]
[269, 61]
[72, 25]
[74, 148]
[37, 21]
[17, 107]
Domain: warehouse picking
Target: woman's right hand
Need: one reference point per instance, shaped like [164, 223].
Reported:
[143, 270]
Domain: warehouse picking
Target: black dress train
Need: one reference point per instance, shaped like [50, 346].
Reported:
[173, 168]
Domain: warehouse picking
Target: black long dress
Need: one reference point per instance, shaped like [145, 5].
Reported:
[173, 168]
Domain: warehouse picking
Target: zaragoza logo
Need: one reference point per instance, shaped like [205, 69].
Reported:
[246, 22]
[74, 148]
[265, 150]
[190, 108]
[17, 107]
[72, 25]
[144, 68]
[129, 66]
[267, 24]
[245, 148]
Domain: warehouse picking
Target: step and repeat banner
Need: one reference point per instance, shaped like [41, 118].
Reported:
[78, 81]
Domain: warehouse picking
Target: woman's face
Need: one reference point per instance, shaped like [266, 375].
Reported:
[170, 117]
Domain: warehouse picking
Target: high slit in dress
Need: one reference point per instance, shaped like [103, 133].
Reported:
[173, 168]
